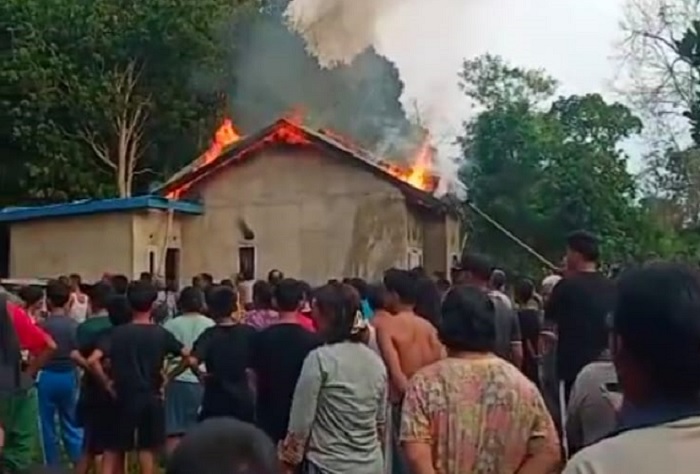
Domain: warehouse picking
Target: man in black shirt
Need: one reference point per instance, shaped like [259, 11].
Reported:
[579, 306]
[278, 355]
[136, 352]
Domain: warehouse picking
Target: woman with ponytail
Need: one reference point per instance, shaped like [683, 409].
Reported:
[339, 407]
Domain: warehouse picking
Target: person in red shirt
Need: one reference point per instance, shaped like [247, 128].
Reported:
[304, 316]
[18, 405]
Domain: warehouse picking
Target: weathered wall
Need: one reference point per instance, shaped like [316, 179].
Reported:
[314, 217]
[153, 231]
[88, 245]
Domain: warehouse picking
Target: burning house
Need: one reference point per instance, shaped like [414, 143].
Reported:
[307, 202]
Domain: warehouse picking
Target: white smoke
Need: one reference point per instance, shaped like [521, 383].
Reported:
[336, 31]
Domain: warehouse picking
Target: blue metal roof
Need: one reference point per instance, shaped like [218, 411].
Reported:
[96, 206]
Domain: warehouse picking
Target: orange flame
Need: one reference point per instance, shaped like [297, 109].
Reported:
[417, 175]
[224, 136]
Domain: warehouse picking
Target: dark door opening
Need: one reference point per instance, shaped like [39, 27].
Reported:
[4, 250]
[172, 265]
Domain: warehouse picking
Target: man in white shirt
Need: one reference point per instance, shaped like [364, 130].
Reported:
[656, 351]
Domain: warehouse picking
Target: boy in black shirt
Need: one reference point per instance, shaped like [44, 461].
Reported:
[278, 355]
[225, 349]
[137, 352]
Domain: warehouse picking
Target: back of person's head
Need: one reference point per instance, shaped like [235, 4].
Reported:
[478, 266]
[222, 302]
[275, 276]
[191, 300]
[376, 296]
[146, 276]
[524, 291]
[498, 279]
[57, 294]
[585, 244]
[443, 285]
[418, 272]
[656, 324]
[360, 285]
[262, 295]
[228, 282]
[64, 279]
[337, 313]
[224, 446]
[120, 283]
[31, 295]
[207, 279]
[428, 300]
[289, 295]
[100, 293]
[402, 283]
[142, 295]
[118, 310]
[468, 321]
[75, 280]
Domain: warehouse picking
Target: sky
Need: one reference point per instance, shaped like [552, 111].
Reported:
[573, 40]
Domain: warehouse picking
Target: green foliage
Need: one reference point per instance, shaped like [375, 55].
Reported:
[64, 62]
[544, 167]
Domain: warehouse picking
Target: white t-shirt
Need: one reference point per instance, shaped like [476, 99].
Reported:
[79, 306]
[672, 448]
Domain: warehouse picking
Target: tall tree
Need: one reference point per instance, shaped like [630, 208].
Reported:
[95, 105]
[544, 169]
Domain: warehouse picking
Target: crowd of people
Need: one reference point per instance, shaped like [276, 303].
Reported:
[412, 374]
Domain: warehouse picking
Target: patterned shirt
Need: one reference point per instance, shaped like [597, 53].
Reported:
[260, 318]
[480, 416]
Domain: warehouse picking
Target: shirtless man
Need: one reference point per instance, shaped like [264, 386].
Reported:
[407, 343]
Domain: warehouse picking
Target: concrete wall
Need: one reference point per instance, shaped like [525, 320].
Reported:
[88, 245]
[154, 232]
[314, 216]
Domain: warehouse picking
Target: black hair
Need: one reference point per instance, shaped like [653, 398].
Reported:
[118, 310]
[478, 265]
[418, 272]
[146, 276]
[75, 278]
[306, 290]
[339, 304]
[224, 446]
[207, 279]
[428, 300]
[31, 294]
[191, 300]
[100, 293]
[222, 302]
[262, 294]
[657, 317]
[584, 243]
[57, 293]
[498, 279]
[401, 282]
[375, 296]
[274, 275]
[142, 295]
[468, 320]
[524, 291]
[288, 295]
[120, 283]
[228, 282]
[360, 285]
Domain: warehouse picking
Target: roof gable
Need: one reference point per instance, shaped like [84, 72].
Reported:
[288, 132]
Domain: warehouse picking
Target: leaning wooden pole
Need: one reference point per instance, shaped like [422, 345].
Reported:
[510, 235]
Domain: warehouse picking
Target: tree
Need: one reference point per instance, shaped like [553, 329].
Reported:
[543, 168]
[113, 90]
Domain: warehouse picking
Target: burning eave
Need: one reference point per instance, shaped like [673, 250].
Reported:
[292, 133]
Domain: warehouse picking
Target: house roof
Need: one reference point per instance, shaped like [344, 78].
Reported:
[287, 131]
[97, 206]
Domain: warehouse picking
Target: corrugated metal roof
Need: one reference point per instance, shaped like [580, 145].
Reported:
[97, 206]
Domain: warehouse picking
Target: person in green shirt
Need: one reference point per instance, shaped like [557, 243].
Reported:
[183, 396]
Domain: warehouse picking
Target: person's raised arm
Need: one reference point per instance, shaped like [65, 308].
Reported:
[391, 359]
[301, 417]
